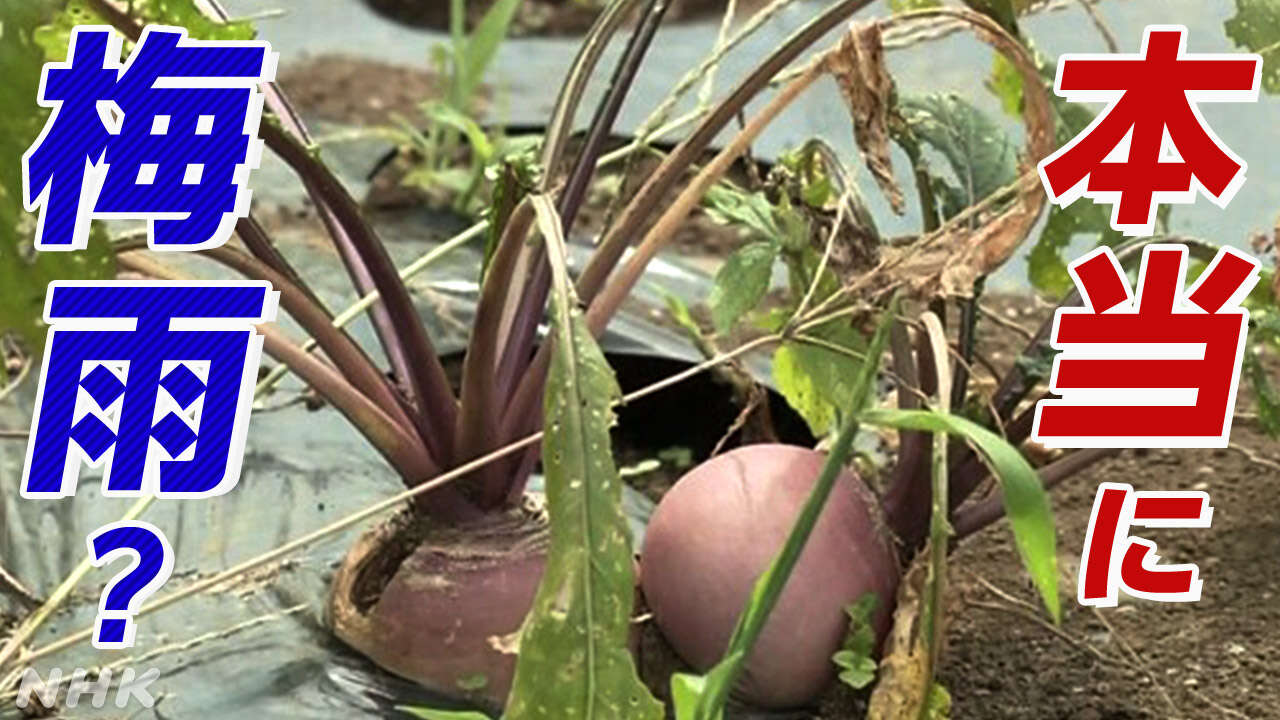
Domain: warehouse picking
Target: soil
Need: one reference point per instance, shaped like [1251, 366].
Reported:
[367, 94]
[1214, 658]
[359, 93]
[1004, 661]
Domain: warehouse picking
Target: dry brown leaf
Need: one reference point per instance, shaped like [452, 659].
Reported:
[961, 250]
[858, 68]
[904, 678]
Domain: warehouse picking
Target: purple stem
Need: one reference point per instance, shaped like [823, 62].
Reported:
[524, 327]
[907, 500]
[522, 412]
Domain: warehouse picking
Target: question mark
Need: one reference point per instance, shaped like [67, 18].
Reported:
[152, 556]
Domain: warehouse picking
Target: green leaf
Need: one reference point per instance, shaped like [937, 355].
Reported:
[24, 273]
[1005, 82]
[574, 660]
[1256, 27]
[680, 315]
[54, 37]
[901, 6]
[427, 713]
[688, 690]
[23, 282]
[32, 33]
[768, 587]
[800, 389]
[1002, 11]
[480, 49]
[1047, 263]
[1025, 500]
[856, 658]
[729, 206]
[1268, 398]
[741, 282]
[938, 706]
[449, 116]
[181, 13]
[506, 195]
[979, 152]
[817, 380]
[685, 691]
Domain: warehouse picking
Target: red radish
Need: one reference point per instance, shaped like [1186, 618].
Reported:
[446, 615]
[718, 529]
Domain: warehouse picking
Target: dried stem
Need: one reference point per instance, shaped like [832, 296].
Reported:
[433, 485]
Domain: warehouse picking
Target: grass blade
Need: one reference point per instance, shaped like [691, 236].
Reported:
[1026, 502]
[714, 688]
[479, 50]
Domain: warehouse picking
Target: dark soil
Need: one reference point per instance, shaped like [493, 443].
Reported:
[1216, 658]
[365, 94]
[359, 93]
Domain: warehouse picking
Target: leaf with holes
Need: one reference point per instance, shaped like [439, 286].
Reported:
[1256, 27]
[581, 616]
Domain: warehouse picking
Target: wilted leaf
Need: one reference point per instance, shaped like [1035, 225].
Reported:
[1047, 263]
[859, 70]
[1256, 27]
[741, 282]
[964, 250]
[902, 691]
[574, 660]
